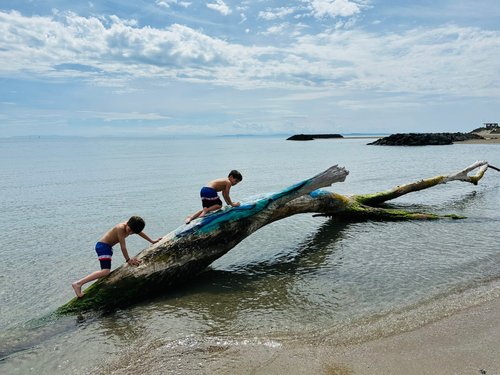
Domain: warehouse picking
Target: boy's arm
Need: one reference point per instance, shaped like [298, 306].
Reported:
[227, 198]
[146, 237]
[121, 239]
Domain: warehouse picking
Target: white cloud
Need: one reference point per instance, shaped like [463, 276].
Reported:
[334, 8]
[168, 3]
[270, 15]
[276, 29]
[165, 3]
[221, 7]
[460, 61]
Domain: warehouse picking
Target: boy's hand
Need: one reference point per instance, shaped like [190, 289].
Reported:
[157, 240]
[236, 204]
[134, 261]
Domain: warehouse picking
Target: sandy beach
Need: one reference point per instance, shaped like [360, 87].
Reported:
[463, 343]
[488, 138]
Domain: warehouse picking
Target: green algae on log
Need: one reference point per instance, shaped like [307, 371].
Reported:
[188, 250]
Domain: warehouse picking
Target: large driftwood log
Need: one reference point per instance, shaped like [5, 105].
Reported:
[189, 249]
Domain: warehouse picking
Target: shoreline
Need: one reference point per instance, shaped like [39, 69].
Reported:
[463, 343]
[495, 140]
[489, 139]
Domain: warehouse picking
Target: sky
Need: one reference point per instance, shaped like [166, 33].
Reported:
[150, 68]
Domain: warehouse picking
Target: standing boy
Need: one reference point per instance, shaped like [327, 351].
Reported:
[210, 198]
[104, 249]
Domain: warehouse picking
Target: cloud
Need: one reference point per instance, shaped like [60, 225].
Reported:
[334, 8]
[165, 3]
[168, 3]
[276, 29]
[453, 60]
[38, 44]
[221, 7]
[270, 15]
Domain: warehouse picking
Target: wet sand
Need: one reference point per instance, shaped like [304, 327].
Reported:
[464, 343]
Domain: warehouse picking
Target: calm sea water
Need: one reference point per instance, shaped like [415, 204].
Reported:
[300, 281]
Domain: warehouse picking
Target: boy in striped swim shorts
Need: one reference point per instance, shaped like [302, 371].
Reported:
[104, 249]
[210, 200]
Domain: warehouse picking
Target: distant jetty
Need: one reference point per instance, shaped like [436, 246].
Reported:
[311, 137]
[424, 139]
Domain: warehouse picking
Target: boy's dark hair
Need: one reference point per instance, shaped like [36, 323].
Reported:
[136, 223]
[237, 175]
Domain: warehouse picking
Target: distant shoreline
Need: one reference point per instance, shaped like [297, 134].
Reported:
[488, 139]
[364, 137]
[488, 134]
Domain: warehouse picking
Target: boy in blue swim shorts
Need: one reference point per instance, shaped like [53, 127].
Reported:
[210, 200]
[104, 249]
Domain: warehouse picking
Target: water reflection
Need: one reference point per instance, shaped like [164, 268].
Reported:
[276, 290]
[33, 333]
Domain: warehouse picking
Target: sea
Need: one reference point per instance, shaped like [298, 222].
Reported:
[302, 282]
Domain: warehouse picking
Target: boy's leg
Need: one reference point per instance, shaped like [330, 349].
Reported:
[77, 285]
[193, 216]
[104, 254]
[206, 210]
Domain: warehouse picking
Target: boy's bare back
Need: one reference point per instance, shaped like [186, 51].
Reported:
[112, 236]
[219, 184]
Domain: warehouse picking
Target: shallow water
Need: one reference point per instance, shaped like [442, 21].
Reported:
[299, 280]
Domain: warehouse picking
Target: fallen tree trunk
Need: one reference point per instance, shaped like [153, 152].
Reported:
[189, 249]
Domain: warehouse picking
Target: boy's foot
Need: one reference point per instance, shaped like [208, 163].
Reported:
[187, 220]
[78, 290]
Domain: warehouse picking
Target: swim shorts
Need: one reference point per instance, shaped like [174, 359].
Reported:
[104, 253]
[209, 197]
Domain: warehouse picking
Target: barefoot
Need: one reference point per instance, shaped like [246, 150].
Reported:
[188, 220]
[78, 289]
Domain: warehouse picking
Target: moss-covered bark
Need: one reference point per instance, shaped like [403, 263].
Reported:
[398, 191]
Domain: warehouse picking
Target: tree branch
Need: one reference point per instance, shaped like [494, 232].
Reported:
[398, 191]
